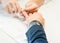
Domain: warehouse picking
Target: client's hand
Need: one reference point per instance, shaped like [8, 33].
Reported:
[31, 7]
[35, 16]
[13, 6]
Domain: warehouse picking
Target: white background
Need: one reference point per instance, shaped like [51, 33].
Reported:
[51, 13]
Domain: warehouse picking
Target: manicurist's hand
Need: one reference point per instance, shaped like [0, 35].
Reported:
[13, 7]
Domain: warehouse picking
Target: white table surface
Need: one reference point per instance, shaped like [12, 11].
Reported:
[12, 30]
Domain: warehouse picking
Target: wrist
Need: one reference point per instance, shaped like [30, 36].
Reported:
[39, 21]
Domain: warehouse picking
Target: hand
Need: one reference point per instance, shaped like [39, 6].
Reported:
[31, 7]
[13, 7]
[35, 16]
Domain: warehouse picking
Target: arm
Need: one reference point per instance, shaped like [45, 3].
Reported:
[36, 34]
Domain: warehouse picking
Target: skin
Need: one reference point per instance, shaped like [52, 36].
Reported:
[38, 2]
[13, 7]
[33, 5]
[30, 12]
[30, 7]
[34, 16]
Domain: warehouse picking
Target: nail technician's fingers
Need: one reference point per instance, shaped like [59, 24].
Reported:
[18, 8]
[13, 6]
[25, 14]
[8, 7]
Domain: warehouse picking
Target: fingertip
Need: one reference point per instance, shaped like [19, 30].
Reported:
[26, 9]
[30, 14]
[35, 13]
[25, 14]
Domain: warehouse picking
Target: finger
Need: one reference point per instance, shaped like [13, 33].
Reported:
[35, 13]
[18, 8]
[11, 4]
[32, 11]
[25, 14]
[13, 7]
[9, 8]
